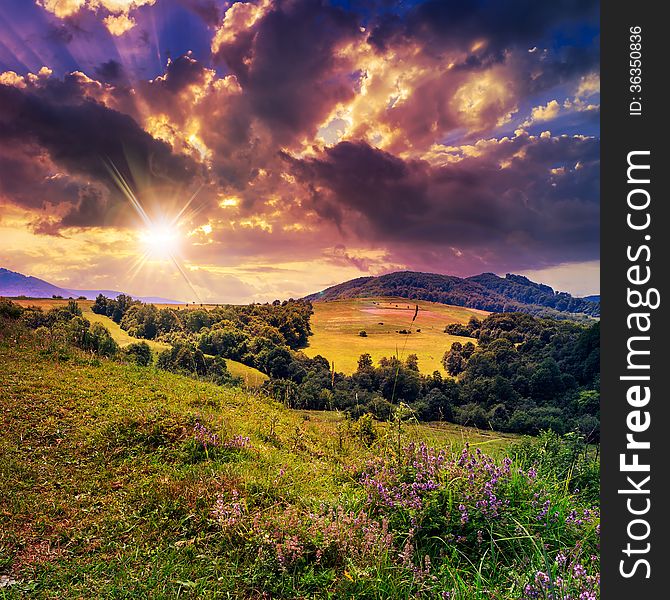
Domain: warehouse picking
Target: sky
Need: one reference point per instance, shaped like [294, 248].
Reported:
[219, 151]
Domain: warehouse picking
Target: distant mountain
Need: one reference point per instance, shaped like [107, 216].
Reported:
[14, 284]
[593, 298]
[512, 293]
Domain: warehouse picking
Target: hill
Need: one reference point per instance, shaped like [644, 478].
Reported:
[13, 285]
[128, 481]
[336, 327]
[512, 293]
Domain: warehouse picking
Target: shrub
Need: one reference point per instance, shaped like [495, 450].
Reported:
[9, 309]
[139, 353]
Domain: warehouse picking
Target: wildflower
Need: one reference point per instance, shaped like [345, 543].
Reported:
[229, 514]
[204, 436]
[237, 442]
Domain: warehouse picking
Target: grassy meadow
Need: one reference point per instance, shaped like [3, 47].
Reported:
[121, 481]
[336, 326]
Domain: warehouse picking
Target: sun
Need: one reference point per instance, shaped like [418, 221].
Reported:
[160, 242]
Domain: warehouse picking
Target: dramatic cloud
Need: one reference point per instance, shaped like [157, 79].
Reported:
[76, 141]
[509, 192]
[297, 143]
[116, 13]
[287, 59]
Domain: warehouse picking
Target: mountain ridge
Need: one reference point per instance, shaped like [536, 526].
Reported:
[487, 291]
[13, 284]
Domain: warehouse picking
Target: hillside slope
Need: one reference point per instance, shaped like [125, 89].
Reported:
[106, 492]
[512, 293]
[336, 328]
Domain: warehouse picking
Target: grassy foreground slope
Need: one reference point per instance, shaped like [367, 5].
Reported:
[128, 482]
[102, 495]
[336, 326]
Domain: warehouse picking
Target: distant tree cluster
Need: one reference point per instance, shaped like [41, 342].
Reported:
[114, 309]
[62, 326]
[525, 375]
[263, 336]
[66, 325]
[471, 329]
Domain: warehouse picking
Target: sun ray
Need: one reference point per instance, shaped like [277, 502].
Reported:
[186, 279]
[127, 192]
[160, 238]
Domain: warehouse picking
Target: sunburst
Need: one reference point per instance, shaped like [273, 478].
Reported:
[159, 239]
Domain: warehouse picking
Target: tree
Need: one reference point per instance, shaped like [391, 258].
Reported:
[365, 364]
[546, 382]
[453, 360]
[412, 362]
[468, 350]
[168, 321]
[73, 308]
[121, 305]
[99, 307]
[103, 342]
[9, 309]
[139, 352]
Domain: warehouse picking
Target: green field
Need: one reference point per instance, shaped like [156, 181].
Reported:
[250, 376]
[100, 497]
[336, 326]
[122, 481]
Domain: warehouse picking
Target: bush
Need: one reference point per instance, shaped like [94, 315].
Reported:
[10, 310]
[139, 353]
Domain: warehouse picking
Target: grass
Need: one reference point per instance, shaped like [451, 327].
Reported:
[97, 497]
[100, 496]
[107, 493]
[337, 324]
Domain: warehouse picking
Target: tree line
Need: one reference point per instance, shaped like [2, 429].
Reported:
[519, 373]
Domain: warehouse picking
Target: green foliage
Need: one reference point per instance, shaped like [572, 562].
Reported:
[186, 359]
[139, 353]
[10, 310]
[453, 360]
[566, 460]
[114, 309]
[364, 429]
[529, 374]
[63, 326]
